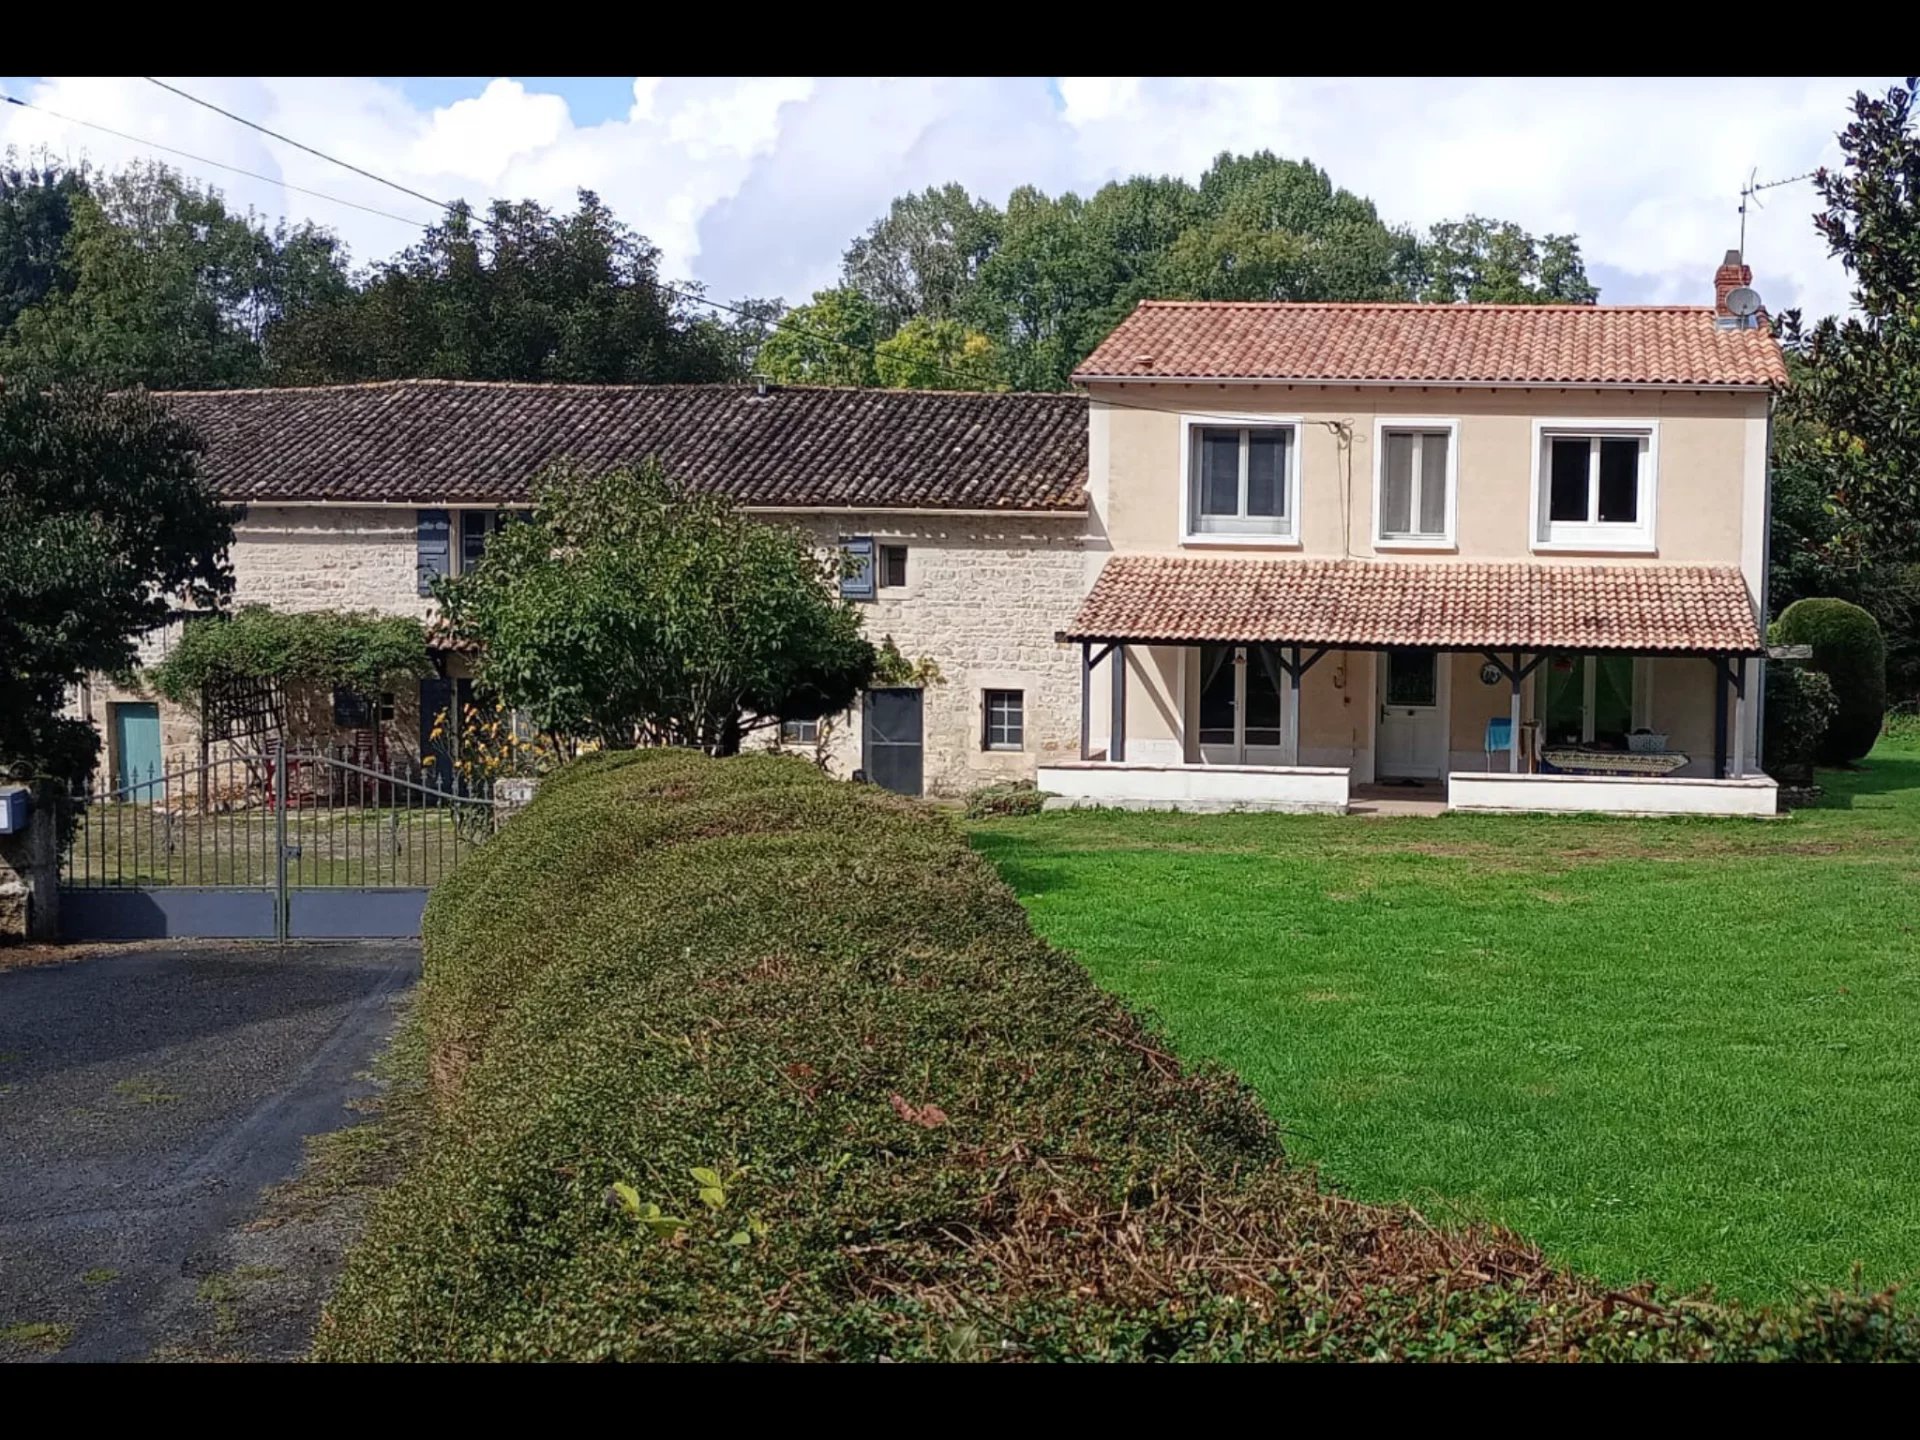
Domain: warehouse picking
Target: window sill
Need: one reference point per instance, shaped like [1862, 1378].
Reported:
[1595, 547]
[1433, 546]
[1002, 749]
[1257, 542]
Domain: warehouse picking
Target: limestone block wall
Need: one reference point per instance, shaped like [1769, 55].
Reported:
[346, 557]
[984, 597]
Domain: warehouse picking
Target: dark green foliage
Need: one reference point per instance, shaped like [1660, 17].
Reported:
[732, 1061]
[362, 652]
[522, 295]
[36, 214]
[1800, 706]
[158, 284]
[1859, 376]
[1007, 797]
[1848, 649]
[105, 526]
[627, 608]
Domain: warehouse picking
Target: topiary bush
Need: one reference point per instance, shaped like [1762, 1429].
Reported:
[1006, 797]
[732, 1061]
[1849, 650]
[1800, 706]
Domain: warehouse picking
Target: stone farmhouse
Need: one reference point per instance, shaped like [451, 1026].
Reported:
[1274, 555]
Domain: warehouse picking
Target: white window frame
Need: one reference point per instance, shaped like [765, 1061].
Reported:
[880, 549]
[792, 732]
[1288, 538]
[987, 742]
[1417, 425]
[456, 544]
[1595, 536]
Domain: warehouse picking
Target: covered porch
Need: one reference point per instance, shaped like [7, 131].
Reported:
[1286, 684]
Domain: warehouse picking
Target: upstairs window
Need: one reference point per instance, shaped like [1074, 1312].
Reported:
[893, 567]
[1415, 506]
[1595, 488]
[1241, 479]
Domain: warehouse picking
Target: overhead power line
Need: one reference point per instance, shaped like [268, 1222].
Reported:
[207, 160]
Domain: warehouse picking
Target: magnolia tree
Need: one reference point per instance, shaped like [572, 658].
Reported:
[628, 611]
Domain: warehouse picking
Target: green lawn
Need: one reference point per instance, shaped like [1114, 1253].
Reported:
[1680, 1049]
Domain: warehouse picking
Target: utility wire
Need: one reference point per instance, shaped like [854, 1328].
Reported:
[298, 145]
[205, 160]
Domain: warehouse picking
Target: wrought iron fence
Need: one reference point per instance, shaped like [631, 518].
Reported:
[289, 820]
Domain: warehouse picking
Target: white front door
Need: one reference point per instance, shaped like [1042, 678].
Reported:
[1242, 719]
[1412, 738]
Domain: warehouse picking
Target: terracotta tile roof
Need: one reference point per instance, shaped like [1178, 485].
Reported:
[453, 442]
[1434, 344]
[1448, 604]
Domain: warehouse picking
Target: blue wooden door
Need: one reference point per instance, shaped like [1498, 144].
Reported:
[136, 744]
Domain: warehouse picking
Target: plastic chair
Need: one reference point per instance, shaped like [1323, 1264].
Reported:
[1499, 737]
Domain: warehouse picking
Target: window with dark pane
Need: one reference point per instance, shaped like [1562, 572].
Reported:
[893, 566]
[1619, 481]
[1263, 699]
[1572, 459]
[1412, 677]
[1216, 695]
[1267, 472]
[1006, 719]
[1219, 470]
[800, 732]
[351, 710]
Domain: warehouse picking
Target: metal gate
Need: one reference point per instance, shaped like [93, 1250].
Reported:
[263, 845]
[891, 728]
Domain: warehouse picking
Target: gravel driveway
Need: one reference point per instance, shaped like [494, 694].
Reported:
[147, 1097]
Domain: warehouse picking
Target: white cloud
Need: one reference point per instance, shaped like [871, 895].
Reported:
[756, 185]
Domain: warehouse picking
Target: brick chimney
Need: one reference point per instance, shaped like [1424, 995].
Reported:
[1731, 275]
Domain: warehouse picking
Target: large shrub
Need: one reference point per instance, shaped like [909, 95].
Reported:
[1849, 650]
[732, 1061]
[1800, 707]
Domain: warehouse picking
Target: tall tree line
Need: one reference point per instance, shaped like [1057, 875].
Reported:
[146, 276]
[948, 290]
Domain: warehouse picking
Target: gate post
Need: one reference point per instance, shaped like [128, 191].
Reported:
[280, 844]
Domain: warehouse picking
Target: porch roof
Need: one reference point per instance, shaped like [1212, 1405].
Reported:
[1449, 605]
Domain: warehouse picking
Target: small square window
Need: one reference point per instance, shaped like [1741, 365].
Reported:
[800, 732]
[351, 710]
[1240, 479]
[1596, 489]
[1006, 720]
[893, 567]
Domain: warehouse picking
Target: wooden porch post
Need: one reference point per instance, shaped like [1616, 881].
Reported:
[1719, 716]
[1293, 707]
[1117, 745]
[1513, 734]
[1086, 700]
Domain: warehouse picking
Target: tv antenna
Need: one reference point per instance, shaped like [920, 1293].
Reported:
[1751, 191]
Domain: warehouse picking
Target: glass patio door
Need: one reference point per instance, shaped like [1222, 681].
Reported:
[1242, 720]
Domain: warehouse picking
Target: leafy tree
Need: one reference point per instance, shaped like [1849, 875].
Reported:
[921, 259]
[165, 287]
[36, 214]
[1496, 262]
[928, 354]
[628, 609]
[830, 341]
[1858, 381]
[105, 526]
[522, 294]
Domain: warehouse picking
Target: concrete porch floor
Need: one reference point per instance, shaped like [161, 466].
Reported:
[1422, 797]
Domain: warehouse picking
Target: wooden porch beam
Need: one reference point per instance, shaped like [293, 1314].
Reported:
[1117, 740]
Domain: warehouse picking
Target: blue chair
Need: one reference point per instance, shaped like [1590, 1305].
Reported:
[1499, 737]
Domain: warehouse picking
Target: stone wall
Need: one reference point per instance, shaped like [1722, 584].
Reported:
[983, 599]
[30, 876]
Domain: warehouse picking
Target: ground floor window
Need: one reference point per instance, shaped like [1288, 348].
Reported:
[800, 732]
[1586, 699]
[1006, 716]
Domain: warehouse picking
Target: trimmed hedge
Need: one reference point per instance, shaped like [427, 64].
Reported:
[732, 1061]
[1849, 649]
[1800, 707]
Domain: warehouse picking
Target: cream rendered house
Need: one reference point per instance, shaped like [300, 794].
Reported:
[1336, 547]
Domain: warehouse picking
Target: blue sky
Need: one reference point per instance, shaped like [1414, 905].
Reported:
[755, 185]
